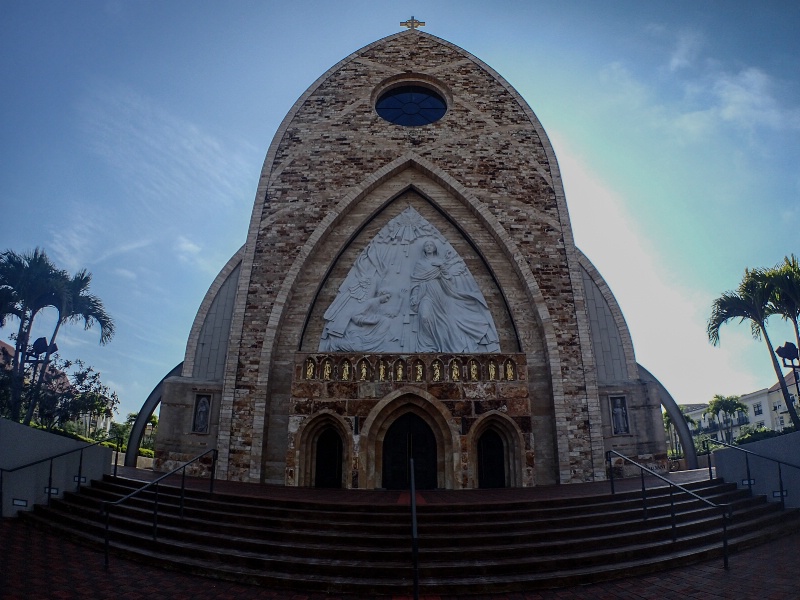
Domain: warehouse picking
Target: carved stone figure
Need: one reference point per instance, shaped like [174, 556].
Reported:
[451, 317]
[619, 416]
[409, 291]
[202, 407]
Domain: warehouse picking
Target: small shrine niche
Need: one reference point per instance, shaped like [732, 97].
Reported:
[437, 371]
[310, 369]
[345, 371]
[419, 371]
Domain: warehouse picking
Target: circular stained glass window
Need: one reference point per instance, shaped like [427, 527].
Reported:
[411, 105]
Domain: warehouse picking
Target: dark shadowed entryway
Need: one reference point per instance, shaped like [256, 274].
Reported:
[491, 460]
[328, 471]
[409, 437]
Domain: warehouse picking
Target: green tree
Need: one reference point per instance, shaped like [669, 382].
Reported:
[672, 433]
[73, 303]
[729, 407]
[785, 282]
[30, 282]
[750, 302]
[93, 398]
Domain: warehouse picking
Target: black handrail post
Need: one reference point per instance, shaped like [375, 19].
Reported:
[183, 488]
[213, 470]
[725, 539]
[414, 536]
[610, 471]
[80, 472]
[780, 480]
[708, 458]
[2, 504]
[50, 483]
[644, 496]
[155, 516]
[107, 509]
[749, 479]
[672, 509]
[116, 458]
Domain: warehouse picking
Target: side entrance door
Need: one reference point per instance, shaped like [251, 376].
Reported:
[328, 469]
[491, 460]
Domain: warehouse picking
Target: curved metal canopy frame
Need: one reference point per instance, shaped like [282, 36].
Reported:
[148, 408]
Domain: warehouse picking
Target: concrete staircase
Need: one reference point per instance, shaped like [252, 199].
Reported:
[470, 542]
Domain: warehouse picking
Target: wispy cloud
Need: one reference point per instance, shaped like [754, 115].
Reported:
[747, 99]
[685, 51]
[83, 243]
[191, 253]
[714, 97]
[163, 157]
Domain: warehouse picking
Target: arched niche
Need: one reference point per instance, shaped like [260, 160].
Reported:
[513, 443]
[386, 412]
[306, 446]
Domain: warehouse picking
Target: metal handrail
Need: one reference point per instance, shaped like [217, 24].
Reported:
[747, 453]
[107, 504]
[414, 534]
[78, 478]
[726, 509]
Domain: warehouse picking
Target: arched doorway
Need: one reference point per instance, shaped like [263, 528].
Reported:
[491, 460]
[409, 437]
[328, 460]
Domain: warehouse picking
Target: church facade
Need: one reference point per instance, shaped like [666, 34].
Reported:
[410, 288]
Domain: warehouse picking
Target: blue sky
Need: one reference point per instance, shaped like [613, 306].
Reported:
[133, 135]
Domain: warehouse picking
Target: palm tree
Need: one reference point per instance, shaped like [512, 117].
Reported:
[785, 281]
[670, 428]
[750, 302]
[30, 282]
[75, 303]
[729, 406]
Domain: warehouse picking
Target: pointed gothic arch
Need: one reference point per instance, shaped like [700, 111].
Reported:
[306, 445]
[514, 447]
[432, 411]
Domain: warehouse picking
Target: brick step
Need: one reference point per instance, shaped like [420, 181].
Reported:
[548, 542]
[620, 511]
[544, 546]
[441, 535]
[347, 546]
[433, 580]
[124, 486]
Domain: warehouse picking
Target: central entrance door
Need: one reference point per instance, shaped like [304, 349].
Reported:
[409, 437]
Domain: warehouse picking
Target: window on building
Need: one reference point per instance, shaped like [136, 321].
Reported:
[780, 421]
[758, 409]
[760, 424]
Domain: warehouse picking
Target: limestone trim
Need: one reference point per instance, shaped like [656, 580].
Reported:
[386, 412]
[305, 450]
[631, 366]
[513, 442]
[202, 312]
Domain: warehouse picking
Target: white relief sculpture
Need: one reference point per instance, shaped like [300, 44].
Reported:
[409, 291]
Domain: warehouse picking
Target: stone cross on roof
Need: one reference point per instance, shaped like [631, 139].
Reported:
[412, 23]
